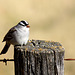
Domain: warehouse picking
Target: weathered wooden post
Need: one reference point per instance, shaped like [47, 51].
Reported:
[39, 57]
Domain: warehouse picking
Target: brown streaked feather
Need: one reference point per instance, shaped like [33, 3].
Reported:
[8, 36]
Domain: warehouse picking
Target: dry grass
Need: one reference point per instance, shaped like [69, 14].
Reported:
[49, 20]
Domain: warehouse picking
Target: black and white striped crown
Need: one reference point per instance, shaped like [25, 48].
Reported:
[23, 23]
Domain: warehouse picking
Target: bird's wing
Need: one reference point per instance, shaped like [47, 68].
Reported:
[8, 36]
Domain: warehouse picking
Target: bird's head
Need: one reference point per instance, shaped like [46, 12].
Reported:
[24, 23]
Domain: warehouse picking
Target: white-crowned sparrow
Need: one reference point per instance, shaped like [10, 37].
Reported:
[17, 35]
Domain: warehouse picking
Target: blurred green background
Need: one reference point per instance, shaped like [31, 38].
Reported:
[49, 20]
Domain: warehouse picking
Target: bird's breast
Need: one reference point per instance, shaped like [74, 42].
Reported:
[20, 37]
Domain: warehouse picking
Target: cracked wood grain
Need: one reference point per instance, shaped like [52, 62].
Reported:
[39, 57]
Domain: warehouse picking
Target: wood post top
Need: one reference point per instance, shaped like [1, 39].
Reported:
[42, 46]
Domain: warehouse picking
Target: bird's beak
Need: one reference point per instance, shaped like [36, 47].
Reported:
[28, 26]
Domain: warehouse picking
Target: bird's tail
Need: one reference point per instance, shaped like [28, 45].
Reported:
[5, 49]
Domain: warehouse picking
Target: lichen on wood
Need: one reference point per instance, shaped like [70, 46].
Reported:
[39, 57]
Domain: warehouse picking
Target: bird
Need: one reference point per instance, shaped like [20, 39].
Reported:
[17, 35]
